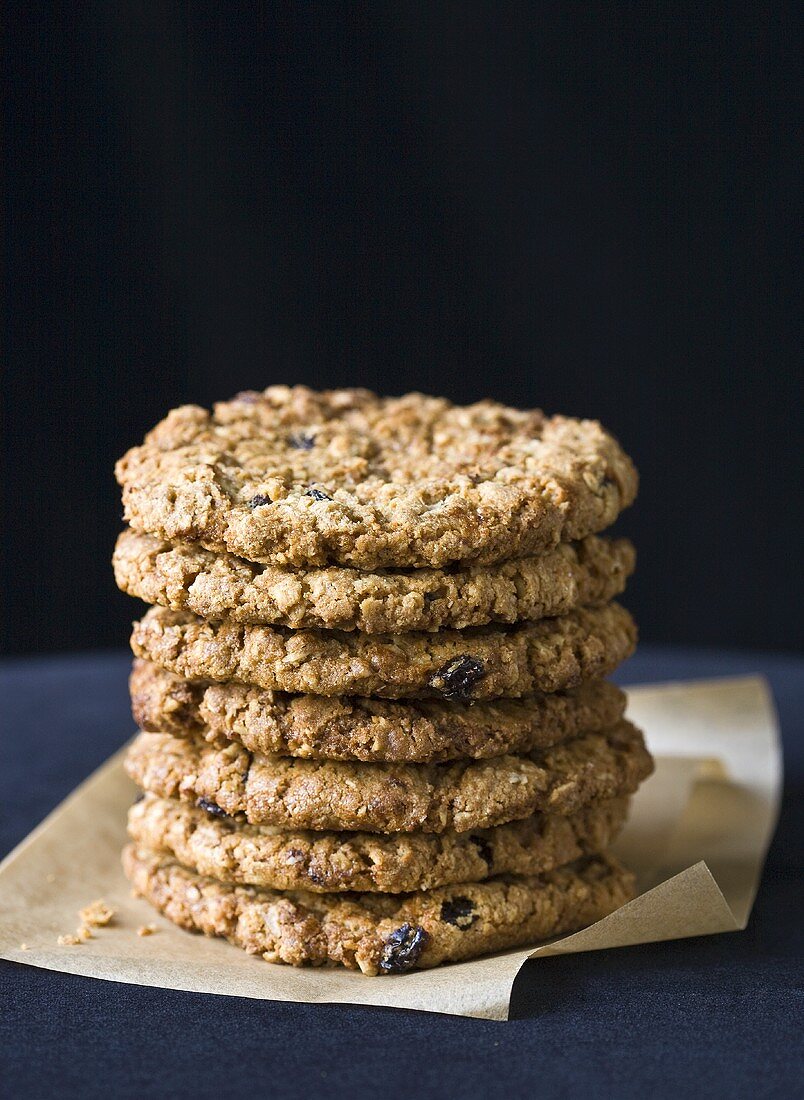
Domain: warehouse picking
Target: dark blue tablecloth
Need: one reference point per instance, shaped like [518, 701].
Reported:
[716, 1016]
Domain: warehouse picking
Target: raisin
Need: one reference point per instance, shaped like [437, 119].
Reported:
[458, 676]
[484, 849]
[317, 494]
[210, 807]
[258, 500]
[402, 949]
[458, 911]
[302, 441]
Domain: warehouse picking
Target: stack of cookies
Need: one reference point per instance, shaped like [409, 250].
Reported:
[375, 726]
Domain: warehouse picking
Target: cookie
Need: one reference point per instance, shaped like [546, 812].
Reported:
[338, 727]
[383, 933]
[463, 665]
[294, 477]
[253, 855]
[185, 577]
[390, 798]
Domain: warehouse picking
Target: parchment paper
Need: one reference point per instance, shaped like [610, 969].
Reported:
[697, 838]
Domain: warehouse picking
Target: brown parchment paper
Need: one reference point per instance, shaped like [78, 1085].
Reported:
[697, 838]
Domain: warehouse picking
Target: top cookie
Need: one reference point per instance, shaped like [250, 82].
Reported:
[290, 476]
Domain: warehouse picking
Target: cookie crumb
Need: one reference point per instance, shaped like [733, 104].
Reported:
[97, 914]
[70, 940]
[24, 947]
[50, 878]
[146, 930]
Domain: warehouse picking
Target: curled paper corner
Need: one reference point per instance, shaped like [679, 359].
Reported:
[689, 904]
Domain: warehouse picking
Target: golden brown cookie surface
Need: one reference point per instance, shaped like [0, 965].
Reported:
[391, 798]
[185, 577]
[291, 476]
[383, 933]
[253, 855]
[340, 727]
[461, 665]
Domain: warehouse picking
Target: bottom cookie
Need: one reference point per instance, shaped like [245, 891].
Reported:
[384, 933]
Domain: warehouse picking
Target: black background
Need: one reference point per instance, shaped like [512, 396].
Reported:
[587, 207]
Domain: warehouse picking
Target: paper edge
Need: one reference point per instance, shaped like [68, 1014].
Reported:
[77, 792]
[499, 1011]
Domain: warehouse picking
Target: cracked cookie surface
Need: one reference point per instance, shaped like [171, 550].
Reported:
[253, 855]
[390, 798]
[383, 933]
[185, 577]
[479, 663]
[340, 727]
[291, 476]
